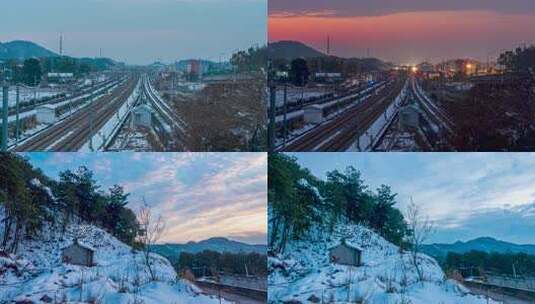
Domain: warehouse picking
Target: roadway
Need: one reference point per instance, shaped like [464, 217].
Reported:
[228, 295]
[496, 295]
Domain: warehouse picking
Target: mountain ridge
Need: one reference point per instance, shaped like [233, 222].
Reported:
[218, 244]
[486, 244]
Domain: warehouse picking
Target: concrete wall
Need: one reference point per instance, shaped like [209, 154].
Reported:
[78, 255]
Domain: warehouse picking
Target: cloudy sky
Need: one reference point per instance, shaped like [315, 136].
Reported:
[138, 31]
[406, 31]
[466, 195]
[200, 195]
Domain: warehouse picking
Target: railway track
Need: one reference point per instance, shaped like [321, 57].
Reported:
[171, 118]
[340, 133]
[73, 132]
[437, 115]
[437, 127]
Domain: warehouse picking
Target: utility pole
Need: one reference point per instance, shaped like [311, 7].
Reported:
[91, 115]
[285, 131]
[17, 128]
[5, 109]
[272, 110]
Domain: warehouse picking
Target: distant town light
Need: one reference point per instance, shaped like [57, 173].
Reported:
[414, 69]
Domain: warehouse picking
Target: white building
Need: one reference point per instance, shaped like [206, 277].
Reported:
[313, 114]
[142, 116]
[45, 114]
[59, 77]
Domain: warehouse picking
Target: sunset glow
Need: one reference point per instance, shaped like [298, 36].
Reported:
[406, 36]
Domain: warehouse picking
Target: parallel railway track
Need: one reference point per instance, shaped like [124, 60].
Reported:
[341, 132]
[178, 126]
[73, 132]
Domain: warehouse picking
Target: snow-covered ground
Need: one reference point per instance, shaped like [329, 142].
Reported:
[36, 274]
[369, 139]
[304, 273]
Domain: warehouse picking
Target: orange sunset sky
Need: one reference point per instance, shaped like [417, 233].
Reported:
[405, 34]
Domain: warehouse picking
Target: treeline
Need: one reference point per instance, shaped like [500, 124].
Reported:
[211, 263]
[31, 71]
[30, 200]
[518, 60]
[252, 59]
[478, 263]
[329, 64]
[298, 200]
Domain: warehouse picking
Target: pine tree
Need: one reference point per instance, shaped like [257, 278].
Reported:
[385, 200]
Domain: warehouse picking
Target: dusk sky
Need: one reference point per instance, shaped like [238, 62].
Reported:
[466, 195]
[138, 31]
[406, 31]
[200, 195]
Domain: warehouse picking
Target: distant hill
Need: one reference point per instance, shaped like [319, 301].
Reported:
[290, 50]
[486, 244]
[22, 50]
[214, 244]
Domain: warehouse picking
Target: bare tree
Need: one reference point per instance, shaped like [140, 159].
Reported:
[421, 228]
[151, 230]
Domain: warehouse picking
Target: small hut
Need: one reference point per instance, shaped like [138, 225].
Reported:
[78, 254]
[313, 114]
[142, 116]
[409, 117]
[45, 114]
[346, 254]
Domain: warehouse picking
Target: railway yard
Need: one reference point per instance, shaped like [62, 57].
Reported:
[402, 113]
[124, 111]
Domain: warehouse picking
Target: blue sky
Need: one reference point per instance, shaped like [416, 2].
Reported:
[138, 31]
[466, 195]
[200, 195]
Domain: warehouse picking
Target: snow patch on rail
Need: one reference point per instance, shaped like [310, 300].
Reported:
[369, 139]
[101, 139]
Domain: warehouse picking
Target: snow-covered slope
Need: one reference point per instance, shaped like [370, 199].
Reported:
[304, 273]
[38, 275]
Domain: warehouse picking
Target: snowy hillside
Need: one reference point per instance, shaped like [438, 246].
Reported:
[304, 273]
[36, 274]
